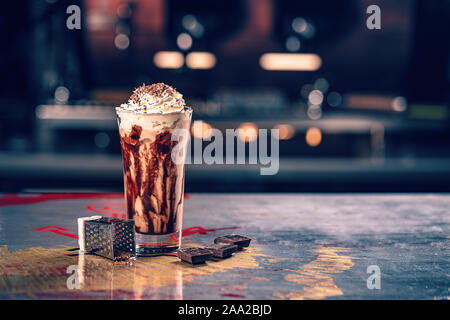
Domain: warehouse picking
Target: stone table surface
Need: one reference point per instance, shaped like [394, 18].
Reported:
[305, 246]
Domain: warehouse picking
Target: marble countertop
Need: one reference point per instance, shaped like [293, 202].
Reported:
[305, 246]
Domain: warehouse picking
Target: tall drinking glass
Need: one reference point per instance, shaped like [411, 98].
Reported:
[153, 153]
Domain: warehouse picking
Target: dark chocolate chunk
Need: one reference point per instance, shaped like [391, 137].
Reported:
[122, 255]
[194, 255]
[235, 239]
[220, 250]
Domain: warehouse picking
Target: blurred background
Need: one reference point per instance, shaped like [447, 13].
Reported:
[358, 110]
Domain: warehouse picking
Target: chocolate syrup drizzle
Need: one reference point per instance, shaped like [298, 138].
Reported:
[151, 193]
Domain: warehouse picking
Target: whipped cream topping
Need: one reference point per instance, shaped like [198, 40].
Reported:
[155, 98]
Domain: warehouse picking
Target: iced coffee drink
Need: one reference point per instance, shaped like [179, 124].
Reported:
[153, 129]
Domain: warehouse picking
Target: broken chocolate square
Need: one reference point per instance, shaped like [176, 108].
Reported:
[194, 255]
[220, 250]
[235, 239]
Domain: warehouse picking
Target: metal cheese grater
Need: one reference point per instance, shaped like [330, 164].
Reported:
[110, 238]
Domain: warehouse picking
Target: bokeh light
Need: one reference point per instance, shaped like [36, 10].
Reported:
[248, 131]
[184, 41]
[313, 137]
[399, 104]
[321, 84]
[285, 131]
[124, 11]
[306, 89]
[334, 99]
[102, 140]
[62, 94]
[293, 44]
[315, 97]
[121, 41]
[314, 112]
[200, 129]
[299, 25]
[191, 24]
[168, 59]
[200, 60]
[290, 61]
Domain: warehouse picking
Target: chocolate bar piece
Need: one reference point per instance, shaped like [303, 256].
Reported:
[239, 241]
[194, 255]
[220, 250]
[120, 255]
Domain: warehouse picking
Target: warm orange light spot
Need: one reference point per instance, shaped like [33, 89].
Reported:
[313, 137]
[168, 59]
[200, 129]
[200, 60]
[290, 61]
[247, 132]
[285, 131]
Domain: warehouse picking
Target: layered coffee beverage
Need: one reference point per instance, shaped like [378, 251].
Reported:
[153, 128]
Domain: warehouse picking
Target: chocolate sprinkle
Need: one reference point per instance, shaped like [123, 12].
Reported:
[157, 89]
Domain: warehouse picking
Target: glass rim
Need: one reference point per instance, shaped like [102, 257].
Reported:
[185, 109]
